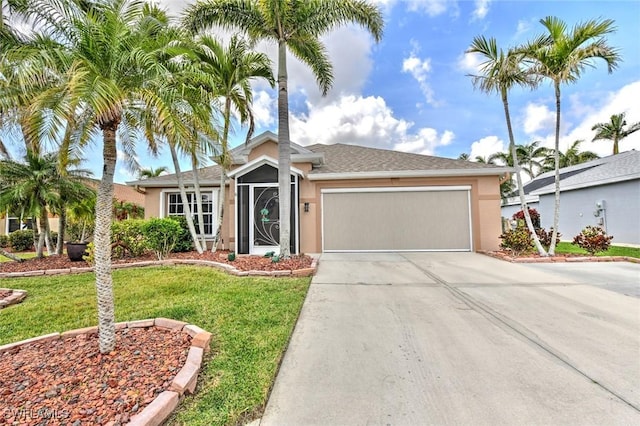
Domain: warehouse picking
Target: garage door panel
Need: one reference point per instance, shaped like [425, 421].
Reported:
[410, 220]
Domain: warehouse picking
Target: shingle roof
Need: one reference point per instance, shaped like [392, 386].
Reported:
[207, 176]
[615, 168]
[342, 158]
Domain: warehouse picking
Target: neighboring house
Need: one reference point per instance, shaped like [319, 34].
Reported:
[121, 192]
[344, 198]
[603, 192]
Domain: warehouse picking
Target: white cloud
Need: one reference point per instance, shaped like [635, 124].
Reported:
[486, 146]
[470, 63]
[419, 70]
[364, 121]
[481, 10]
[523, 27]
[537, 118]
[432, 7]
[264, 108]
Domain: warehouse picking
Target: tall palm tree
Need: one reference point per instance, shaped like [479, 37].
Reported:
[464, 156]
[107, 54]
[531, 156]
[570, 157]
[562, 56]
[297, 26]
[614, 130]
[501, 71]
[233, 68]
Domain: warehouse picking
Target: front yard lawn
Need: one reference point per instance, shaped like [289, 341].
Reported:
[566, 247]
[251, 320]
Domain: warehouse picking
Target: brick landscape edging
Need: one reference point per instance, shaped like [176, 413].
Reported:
[305, 272]
[559, 259]
[16, 296]
[183, 383]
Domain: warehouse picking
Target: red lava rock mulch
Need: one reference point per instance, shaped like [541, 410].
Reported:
[242, 263]
[558, 257]
[5, 293]
[68, 382]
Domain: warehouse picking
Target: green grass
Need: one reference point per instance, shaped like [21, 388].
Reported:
[23, 255]
[566, 247]
[251, 320]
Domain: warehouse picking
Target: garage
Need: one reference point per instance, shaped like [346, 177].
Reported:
[434, 218]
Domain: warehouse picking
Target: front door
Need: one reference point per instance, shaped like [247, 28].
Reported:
[265, 219]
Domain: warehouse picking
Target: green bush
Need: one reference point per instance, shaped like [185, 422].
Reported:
[184, 241]
[517, 240]
[545, 237]
[21, 240]
[161, 235]
[127, 238]
[4, 241]
[593, 239]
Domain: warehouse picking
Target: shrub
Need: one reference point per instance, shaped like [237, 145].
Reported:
[161, 235]
[593, 239]
[184, 241]
[517, 240]
[545, 237]
[4, 241]
[21, 240]
[126, 236]
[535, 217]
[90, 256]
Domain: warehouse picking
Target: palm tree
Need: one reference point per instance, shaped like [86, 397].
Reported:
[570, 157]
[233, 69]
[501, 71]
[464, 156]
[296, 25]
[151, 172]
[614, 130]
[108, 56]
[562, 56]
[530, 156]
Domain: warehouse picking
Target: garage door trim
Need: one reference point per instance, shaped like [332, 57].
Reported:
[466, 188]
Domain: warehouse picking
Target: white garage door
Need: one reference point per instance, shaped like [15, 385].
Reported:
[396, 219]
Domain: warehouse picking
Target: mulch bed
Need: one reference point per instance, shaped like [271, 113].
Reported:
[68, 382]
[5, 293]
[534, 257]
[242, 263]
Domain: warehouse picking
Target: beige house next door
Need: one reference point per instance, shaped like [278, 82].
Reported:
[397, 219]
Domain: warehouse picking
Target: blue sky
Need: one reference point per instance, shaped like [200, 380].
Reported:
[411, 91]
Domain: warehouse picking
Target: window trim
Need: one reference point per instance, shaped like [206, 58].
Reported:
[213, 191]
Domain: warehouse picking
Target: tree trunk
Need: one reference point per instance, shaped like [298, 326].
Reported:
[223, 173]
[284, 153]
[62, 224]
[10, 255]
[556, 157]
[47, 235]
[616, 149]
[185, 201]
[514, 156]
[198, 195]
[41, 233]
[102, 242]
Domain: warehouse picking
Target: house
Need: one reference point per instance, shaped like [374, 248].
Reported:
[344, 198]
[121, 192]
[603, 192]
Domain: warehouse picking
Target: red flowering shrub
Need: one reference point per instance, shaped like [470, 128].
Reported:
[545, 237]
[517, 240]
[593, 239]
[535, 217]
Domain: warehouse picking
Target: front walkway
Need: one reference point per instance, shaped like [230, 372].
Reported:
[457, 338]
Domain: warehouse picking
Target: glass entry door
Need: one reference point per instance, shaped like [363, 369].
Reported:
[265, 219]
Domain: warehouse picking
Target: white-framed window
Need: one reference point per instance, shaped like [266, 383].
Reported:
[174, 207]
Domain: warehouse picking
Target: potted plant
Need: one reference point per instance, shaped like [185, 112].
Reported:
[75, 250]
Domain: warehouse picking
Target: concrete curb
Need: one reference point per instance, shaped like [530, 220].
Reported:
[184, 381]
[225, 267]
[15, 297]
[558, 259]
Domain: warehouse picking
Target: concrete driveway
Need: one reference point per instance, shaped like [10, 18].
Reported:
[461, 338]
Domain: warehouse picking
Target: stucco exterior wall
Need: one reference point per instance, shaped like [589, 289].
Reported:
[622, 211]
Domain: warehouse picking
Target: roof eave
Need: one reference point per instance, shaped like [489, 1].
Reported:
[497, 171]
[550, 189]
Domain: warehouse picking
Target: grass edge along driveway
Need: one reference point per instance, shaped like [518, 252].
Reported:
[251, 320]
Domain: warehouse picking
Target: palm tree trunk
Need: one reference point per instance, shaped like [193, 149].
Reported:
[41, 233]
[223, 172]
[616, 149]
[556, 156]
[185, 201]
[10, 255]
[198, 195]
[47, 235]
[284, 154]
[514, 155]
[62, 224]
[102, 242]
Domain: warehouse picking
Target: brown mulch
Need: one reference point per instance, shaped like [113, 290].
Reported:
[242, 262]
[5, 293]
[68, 382]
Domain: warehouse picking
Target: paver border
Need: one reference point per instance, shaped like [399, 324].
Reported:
[184, 381]
[558, 259]
[225, 267]
[15, 297]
